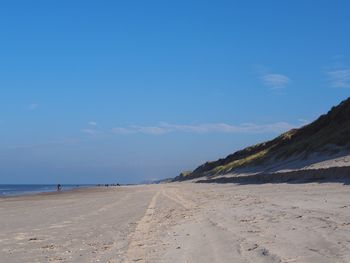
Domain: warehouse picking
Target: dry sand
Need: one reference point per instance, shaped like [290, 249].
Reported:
[182, 222]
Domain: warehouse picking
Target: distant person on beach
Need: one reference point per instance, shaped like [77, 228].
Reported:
[59, 187]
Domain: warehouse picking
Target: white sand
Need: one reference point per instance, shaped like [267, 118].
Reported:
[180, 223]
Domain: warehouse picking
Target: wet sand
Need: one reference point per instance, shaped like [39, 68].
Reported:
[182, 222]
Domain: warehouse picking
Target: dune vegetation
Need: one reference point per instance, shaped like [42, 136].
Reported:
[329, 134]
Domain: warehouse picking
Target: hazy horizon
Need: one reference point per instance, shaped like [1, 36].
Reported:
[113, 92]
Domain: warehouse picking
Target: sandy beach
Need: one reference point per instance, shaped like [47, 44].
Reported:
[182, 222]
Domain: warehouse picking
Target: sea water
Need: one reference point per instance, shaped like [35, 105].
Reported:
[23, 189]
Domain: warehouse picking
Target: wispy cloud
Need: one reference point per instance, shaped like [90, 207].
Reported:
[33, 106]
[275, 81]
[89, 131]
[164, 128]
[154, 130]
[339, 78]
[92, 123]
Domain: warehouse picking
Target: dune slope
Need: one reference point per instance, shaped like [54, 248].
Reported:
[328, 135]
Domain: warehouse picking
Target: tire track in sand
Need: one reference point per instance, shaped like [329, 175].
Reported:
[136, 250]
[174, 196]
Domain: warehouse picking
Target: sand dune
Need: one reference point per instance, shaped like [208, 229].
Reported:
[182, 222]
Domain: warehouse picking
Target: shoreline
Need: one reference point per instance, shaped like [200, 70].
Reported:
[49, 193]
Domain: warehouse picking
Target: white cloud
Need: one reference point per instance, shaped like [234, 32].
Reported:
[122, 130]
[164, 128]
[92, 123]
[154, 130]
[275, 81]
[339, 78]
[33, 106]
[89, 131]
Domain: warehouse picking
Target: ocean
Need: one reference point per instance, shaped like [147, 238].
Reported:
[24, 189]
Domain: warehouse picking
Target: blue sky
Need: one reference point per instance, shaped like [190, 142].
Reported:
[112, 91]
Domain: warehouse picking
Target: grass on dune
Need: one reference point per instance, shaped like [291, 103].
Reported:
[328, 134]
